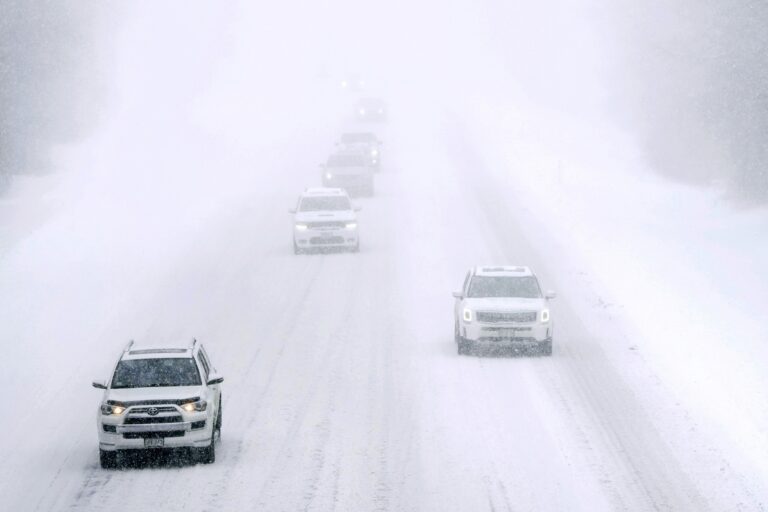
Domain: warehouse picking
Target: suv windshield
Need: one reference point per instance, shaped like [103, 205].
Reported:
[526, 287]
[324, 204]
[353, 138]
[348, 160]
[156, 372]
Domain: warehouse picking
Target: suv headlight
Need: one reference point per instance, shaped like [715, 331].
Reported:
[374, 152]
[108, 409]
[544, 316]
[198, 406]
[301, 227]
[351, 225]
[328, 176]
[467, 315]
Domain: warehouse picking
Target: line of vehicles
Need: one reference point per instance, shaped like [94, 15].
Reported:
[169, 396]
[324, 217]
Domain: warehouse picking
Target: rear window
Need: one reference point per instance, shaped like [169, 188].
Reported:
[156, 372]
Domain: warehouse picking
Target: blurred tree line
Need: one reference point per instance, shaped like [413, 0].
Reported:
[49, 85]
[696, 82]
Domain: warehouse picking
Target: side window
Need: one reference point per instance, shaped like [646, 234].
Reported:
[203, 363]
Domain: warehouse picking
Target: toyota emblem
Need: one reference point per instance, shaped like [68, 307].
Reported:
[152, 411]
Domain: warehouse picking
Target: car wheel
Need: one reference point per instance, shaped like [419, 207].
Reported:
[207, 455]
[218, 417]
[465, 347]
[107, 459]
[356, 248]
[546, 350]
[296, 249]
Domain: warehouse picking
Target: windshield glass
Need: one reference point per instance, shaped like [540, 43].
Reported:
[351, 138]
[150, 373]
[348, 160]
[324, 204]
[526, 287]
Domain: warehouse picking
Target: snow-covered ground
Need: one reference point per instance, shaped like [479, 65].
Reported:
[343, 389]
[676, 269]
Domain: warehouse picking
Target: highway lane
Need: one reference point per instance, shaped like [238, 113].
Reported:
[343, 388]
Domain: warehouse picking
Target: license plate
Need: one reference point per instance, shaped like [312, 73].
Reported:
[511, 333]
[153, 442]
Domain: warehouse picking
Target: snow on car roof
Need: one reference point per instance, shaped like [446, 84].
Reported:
[160, 349]
[502, 270]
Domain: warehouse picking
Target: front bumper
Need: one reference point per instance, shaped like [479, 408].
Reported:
[175, 435]
[317, 238]
[530, 334]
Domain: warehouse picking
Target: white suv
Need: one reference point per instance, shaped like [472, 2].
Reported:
[167, 397]
[502, 307]
[325, 218]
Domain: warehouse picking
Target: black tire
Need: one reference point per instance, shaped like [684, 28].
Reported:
[546, 349]
[108, 460]
[218, 417]
[465, 347]
[207, 455]
[296, 249]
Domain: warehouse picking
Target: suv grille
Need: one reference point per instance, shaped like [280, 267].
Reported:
[144, 420]
[144, 435]
[327, 224]
[501, 316]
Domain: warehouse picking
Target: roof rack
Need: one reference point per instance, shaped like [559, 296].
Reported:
[128, 346]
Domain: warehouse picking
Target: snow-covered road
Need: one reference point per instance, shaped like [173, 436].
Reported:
[343, 388]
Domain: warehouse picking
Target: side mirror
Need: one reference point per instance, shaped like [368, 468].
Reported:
[550, 295]
[99, 384]
[458, 295]
[214, 379]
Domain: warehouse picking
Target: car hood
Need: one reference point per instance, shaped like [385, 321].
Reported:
[340, 216]
[141, 394]
[505, 304]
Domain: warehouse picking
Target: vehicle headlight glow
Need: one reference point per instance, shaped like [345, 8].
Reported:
[301, 227]
[544, 316]
[198, 406]
[362, 111]
[467, 315]
[328, 175]
[374, 152]
[108, 409]
[351, 225]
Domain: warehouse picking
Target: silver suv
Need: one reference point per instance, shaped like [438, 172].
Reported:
[502, 307]
[160, 397]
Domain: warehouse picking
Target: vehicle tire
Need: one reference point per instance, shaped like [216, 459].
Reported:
[546, 349]
[356, 248]
[207, 455]
[296, 249]
[218, 417]
[107, 459]
[465, 347]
